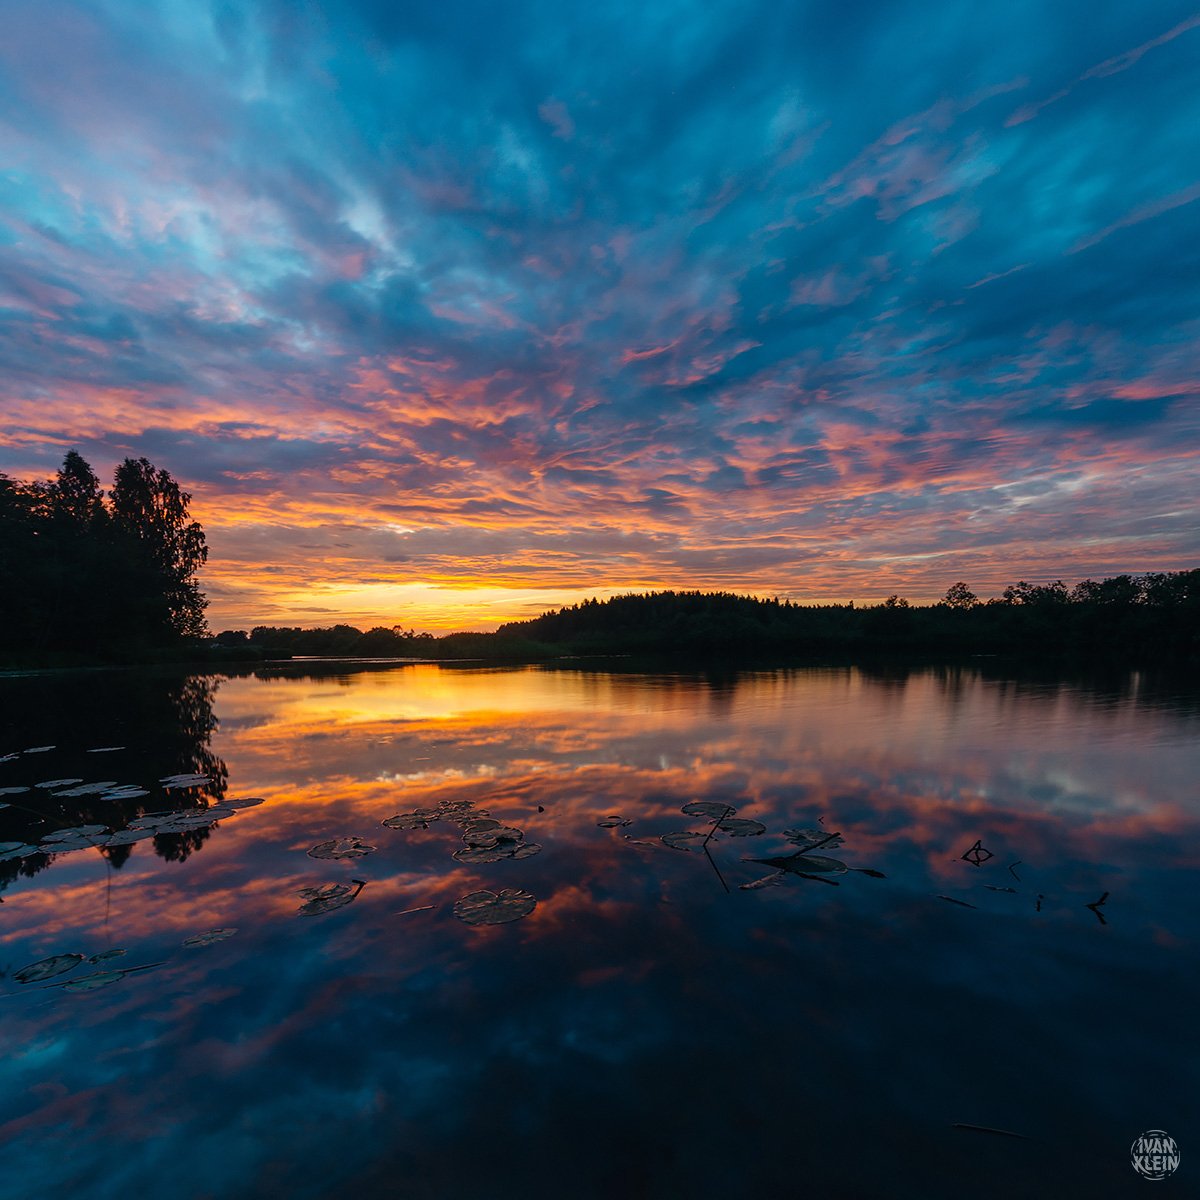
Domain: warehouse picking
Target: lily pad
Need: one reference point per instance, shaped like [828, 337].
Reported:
[489, 837]
[67, 845]
[740, 827]
[125, 793]
[207, 939]
[75, 831]
[708, 808]
[331, 896]
[772, 880]
[494, 908]
[806, 864]
[407, 821]
[93, 983]
[127, 837]
[613, 822]
[682, 840]
[347, 847]
[811, 837]
[244, 802]
[89, 789]
[503, 849]
[11, 850]
[480, 824]
[183, 781]
[47, 968]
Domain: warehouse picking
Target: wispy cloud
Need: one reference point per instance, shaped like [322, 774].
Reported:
[431, 309]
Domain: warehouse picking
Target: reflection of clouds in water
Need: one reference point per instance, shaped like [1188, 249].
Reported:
[636, 992]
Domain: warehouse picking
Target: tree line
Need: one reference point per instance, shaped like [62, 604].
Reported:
[89, 574]
[1127, 618]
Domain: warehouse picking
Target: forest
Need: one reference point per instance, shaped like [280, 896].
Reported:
[1131, 619]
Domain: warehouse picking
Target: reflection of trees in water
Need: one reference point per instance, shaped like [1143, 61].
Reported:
[165, 720]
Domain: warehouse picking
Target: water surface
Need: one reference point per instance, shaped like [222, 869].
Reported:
[654, 1026]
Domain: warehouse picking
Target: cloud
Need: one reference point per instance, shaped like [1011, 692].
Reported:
[757, 298]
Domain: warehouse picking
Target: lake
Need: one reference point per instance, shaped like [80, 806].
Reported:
[224, 975]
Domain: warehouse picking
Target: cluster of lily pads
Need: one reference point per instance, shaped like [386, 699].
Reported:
[722, 819]
[62, 964]
[148, 825]
[485, 840]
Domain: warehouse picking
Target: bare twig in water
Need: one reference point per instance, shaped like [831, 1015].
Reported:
[951, 900]
[989, 1129]
[713, 864]
[1095, 907]
[423, 908]
[815, 846]
[729, 811]
[1013, 873]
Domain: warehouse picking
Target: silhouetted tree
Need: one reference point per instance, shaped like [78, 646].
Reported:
[148, 505]
[958, 595]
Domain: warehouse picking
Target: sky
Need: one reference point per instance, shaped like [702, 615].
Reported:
[449, 313]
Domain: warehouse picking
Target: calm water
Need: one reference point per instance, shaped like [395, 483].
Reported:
[652, 1027]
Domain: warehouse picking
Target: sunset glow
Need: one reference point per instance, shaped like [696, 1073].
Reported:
[450, 314]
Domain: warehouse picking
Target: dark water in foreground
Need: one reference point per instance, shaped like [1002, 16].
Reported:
[643, 1031]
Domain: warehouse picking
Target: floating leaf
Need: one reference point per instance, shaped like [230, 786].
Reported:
[75, 832]
[127, 837]
[156, 820]
[183, 781]
[772, 880]
[105, 749]
[47, 968]
[489, 837]
[683, 840]
[67, 845]
[407, 821]
[806, 864]
[505, 848]
[13, 791]
[326, 899]
[38, 749]
[708, 808]
[106, 955]
[812, 837]
[347, 847]
[125, 793]
[93, 983]
[739, 827]
[479, 824]
[11, 850]
[50, 784]
[494, 908]
[613, 822]
[89, 789]
[244, 802]
[207, 939]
